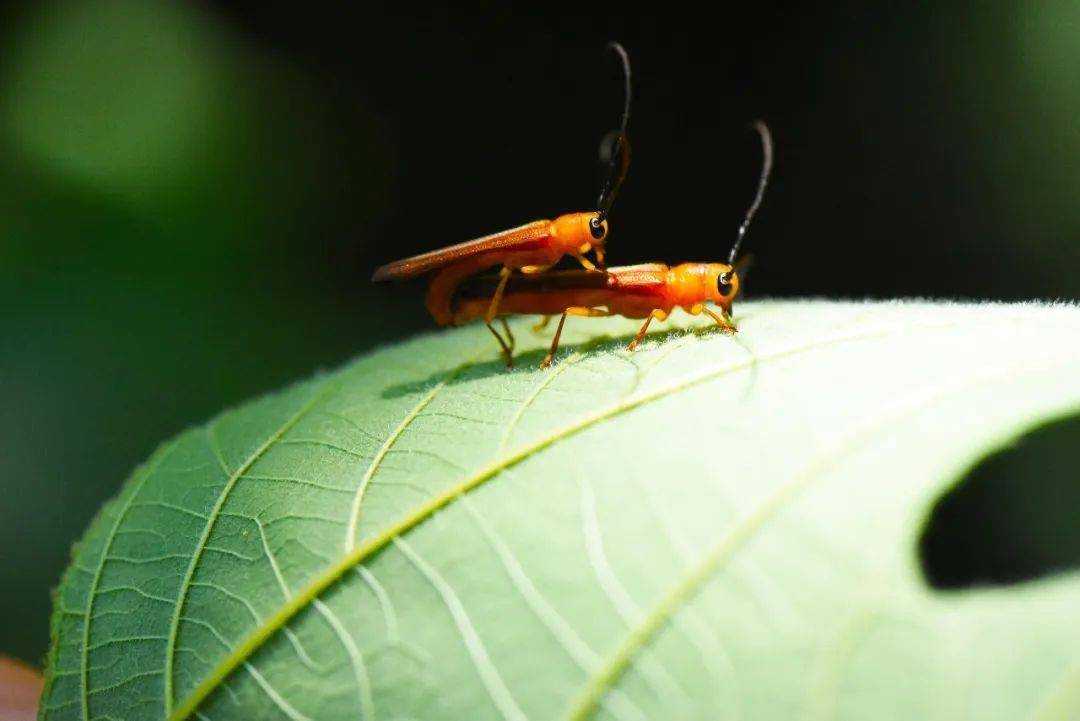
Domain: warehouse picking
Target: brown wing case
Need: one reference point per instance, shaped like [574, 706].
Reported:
[484, 286]
[644, 276]
[525, 237]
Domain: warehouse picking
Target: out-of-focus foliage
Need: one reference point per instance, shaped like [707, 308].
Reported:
[1018, 102]
[120, 96]
[160, 204]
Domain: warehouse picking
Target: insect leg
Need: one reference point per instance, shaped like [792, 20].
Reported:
[506, 330]
[507, 352]
[543, 323]
[572, 310]
[533, 269]
[493, 311]
[659, 315]
[721, 320]
[585, 262]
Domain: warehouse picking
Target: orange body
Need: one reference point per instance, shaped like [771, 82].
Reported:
[456, 294]
[530, 248]
[650, 291]
[634, 291]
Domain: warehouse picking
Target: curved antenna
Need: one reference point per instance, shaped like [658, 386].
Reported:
[619, 163]
[763, 181]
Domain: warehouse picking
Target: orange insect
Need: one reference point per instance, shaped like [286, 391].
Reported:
[530, 249]
[649, 291]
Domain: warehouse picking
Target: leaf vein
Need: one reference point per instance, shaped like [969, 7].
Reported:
[84, 680]
[356, 659]
[384, 449]
[489, 675]
[174, 629]
[567, 637]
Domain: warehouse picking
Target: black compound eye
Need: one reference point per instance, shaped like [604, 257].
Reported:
[723, 283]
[596, 227]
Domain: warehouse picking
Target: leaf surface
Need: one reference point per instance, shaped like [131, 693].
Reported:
[709, 527]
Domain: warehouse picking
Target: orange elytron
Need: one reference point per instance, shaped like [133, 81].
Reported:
[530, 249]
[649, 291]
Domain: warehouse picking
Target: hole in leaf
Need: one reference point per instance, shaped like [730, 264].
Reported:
[1014, 518]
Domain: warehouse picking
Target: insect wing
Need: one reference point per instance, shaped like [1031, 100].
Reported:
[551, 282]
[644, 278]
[525, 237]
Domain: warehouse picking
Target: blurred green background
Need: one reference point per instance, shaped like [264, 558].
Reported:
[193, 195]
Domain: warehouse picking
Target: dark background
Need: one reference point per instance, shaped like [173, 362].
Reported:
[193, 195]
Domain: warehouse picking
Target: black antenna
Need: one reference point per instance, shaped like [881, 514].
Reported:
[620, 150]
[766, 169]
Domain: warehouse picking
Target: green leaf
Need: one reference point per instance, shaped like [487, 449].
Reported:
[709, 527]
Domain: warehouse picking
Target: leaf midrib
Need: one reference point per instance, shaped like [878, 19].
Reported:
[358, 554]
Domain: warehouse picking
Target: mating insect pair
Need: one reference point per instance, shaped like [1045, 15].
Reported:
[651, 291]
